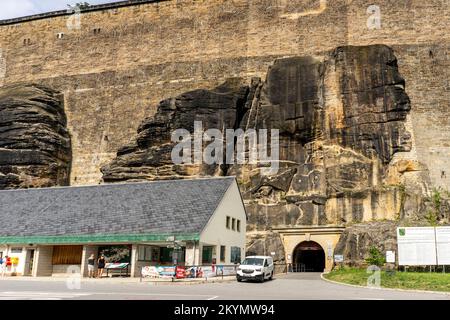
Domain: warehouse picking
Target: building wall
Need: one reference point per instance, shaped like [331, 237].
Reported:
[87, 251]
[192, 253]
[148, 52]
[216, 232]
[43, 265]
[19, 268]
[65, 269]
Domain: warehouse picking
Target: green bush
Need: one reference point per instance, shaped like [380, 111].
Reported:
[376, 257]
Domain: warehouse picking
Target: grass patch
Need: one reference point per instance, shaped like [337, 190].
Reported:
[399, 280]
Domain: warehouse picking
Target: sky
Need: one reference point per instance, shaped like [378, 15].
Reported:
[20, 8]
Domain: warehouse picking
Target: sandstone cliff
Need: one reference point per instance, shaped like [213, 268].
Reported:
[34, 142]
[149, 155]
[341, 118]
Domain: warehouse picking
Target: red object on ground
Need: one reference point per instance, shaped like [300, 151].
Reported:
[180, 272]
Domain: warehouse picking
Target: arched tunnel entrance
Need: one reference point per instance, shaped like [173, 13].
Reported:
[308, 256]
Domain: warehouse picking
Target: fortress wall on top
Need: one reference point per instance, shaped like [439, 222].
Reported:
[146, 52]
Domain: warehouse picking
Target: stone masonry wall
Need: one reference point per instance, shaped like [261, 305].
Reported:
[114, 78]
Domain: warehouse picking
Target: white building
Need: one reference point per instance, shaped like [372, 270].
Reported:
[46, 231]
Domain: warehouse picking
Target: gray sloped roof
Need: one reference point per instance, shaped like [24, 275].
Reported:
[160, 207]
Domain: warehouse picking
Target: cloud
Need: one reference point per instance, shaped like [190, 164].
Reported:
[19, 8]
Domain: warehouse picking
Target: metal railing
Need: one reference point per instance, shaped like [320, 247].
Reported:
[291, 267]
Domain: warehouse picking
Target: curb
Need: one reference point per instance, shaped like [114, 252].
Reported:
[185, 283]
[124, 281]
[188, 282]
[382, 288]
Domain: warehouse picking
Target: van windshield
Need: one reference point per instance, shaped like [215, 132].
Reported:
[253, 262]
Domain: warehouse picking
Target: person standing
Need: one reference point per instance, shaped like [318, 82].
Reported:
[91, 265]
[3, 266]
[101, 265]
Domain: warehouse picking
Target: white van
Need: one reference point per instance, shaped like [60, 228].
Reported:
[255, 268]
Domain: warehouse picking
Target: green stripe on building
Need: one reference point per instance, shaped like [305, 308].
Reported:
[103, 238]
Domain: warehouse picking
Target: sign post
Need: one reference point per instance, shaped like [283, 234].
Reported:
[416, 246]
[339, 260]
[443, 245]
[390, 256]
[423, 246]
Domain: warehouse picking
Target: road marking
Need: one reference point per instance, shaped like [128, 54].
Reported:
[197, 296]
[31, 295]
[152, 294]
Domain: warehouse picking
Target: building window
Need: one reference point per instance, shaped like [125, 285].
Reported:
[166, 255]
[171, 256]
[147, 253]
[228, 222]
[60, 35]
[235, 255]
[233, 224]
[222, 253]
[207, 253]
[16, 250]
[238, 226]
[96, 30]
[26, 42]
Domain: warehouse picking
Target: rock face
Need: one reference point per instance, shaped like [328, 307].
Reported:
[357, 240]
[149, 155]
[34, 142]
[341, 119]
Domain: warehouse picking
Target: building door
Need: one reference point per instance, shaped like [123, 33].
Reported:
[29, 259]
[308, 257]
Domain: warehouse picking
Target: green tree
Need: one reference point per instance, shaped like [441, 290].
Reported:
[81, 5]
[376, 257]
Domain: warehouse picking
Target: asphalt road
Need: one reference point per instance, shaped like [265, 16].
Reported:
[292, 286]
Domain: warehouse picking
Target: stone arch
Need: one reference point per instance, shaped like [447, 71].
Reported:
[308, 256]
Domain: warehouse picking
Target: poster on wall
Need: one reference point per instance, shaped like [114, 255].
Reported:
[116, 265]
[443, 245]
[180, 272]
[390, 256]
[226, 270]
[166, 271]
[208, 271]
[150, 272]
[416, 246]
[158, 272]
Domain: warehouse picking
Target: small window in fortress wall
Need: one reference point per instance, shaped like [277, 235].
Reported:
[26, 42]
[96, 30]
[60, 35]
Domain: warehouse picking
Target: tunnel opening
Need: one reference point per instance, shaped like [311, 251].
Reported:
[308, 257]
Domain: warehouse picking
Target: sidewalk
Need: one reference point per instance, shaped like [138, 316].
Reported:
[155, 281]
